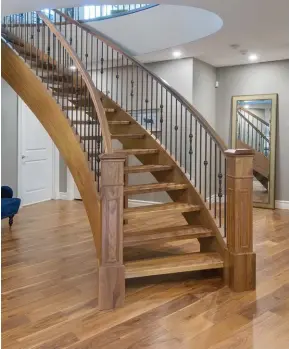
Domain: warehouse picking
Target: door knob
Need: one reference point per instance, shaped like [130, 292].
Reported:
[23, 156]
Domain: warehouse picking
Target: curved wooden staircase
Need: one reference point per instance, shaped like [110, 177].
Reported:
[49, 56]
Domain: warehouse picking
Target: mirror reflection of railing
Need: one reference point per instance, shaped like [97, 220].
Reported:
[253, 131]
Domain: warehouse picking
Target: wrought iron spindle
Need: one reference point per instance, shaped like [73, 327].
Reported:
[220, 192]
[191, 145]
[215, 184]
[176, 131]
[161, 115]
[210, 174]
[200, 160]
[205, 166]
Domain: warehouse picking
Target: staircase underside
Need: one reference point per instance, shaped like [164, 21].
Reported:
[136, 143]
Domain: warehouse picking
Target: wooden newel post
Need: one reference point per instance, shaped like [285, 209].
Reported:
[111, 270]
[240, 263]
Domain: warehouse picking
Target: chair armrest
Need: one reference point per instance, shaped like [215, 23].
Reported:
[6, 192]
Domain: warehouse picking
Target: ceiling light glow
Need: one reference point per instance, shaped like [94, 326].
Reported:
[253, 57]
[177, 54]
[73, 67]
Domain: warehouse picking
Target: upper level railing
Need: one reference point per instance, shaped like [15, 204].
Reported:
[86, 13]
[99, 12]
[182, 131]
[253, 130]
[53, 59]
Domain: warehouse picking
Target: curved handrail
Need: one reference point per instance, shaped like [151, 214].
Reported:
[205, 124]
[88, 81]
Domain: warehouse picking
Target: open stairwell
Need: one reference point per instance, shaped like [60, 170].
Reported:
[195, 186]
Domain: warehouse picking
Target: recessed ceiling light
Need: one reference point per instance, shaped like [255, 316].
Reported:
[253, 57]
[246, 106]
[72, 67]
[177, 54]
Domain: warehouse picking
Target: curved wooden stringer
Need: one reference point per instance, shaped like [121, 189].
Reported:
[40, 101]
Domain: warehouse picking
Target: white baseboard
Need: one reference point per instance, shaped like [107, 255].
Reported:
[282, 205]
[65, 196]
[137, 203]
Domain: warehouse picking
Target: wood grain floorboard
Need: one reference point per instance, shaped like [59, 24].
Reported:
[49, 289]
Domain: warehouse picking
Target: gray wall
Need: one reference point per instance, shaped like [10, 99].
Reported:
[272, 77]
[177, 73]
[9, 136]
[204, 91]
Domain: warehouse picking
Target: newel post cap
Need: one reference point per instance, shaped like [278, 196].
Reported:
[239, 152]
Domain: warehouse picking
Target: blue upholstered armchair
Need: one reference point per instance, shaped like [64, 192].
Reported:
[9, 205]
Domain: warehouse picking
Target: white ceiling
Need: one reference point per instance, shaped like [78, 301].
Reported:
[259, 26]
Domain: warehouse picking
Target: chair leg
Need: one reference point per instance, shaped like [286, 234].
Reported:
[11, 221]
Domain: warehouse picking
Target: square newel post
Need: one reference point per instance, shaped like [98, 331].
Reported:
[240, 261]
[111, 270]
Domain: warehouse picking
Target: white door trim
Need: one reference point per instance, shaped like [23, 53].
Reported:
[55, 172]
[55, 158]
[70, 185]
[19, 153]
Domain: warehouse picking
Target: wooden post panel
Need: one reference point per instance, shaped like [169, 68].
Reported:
[240, 261]
[111, 270]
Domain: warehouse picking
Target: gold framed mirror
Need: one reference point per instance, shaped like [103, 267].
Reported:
[254, 123]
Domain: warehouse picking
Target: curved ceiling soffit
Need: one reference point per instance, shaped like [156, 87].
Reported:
[170, 26]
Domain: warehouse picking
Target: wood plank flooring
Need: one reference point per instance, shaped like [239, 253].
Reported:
[49, 290]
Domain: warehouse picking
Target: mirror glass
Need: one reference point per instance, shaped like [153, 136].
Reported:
[254, 127]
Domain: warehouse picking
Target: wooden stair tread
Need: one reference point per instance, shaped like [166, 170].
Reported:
[93, 122]
[173, 264]
[119, 122]
[115, 136]
[136, 151]
[147, 168]
[159, 235]
[128, 135]
[136, 212]
[153, 187]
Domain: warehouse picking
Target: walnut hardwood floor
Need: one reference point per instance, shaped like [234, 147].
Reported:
[49, 284]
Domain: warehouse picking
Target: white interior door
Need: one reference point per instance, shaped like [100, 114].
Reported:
[36, 158]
